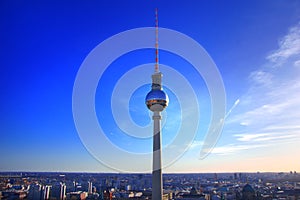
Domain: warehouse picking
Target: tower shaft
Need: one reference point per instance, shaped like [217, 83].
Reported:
[156, 101]
[156, 173]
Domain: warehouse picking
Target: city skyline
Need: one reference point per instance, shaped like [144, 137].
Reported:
[230, 186]
[254, 44]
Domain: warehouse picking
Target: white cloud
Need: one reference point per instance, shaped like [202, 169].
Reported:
[279, 128]
[249, 137]
[268, 113]
[289, 46]
[196, 144]
[232, 148]
[261, 77]
[297, 63]
[266, 136]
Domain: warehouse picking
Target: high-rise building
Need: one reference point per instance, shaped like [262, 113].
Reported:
[63, 191]
[156, 100]
[46, 192]
[35, 191]
[90, 188]
[58, 191]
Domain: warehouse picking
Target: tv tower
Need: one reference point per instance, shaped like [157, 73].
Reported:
[156, 101]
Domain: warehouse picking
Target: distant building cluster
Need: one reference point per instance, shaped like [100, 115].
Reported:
[210, 186]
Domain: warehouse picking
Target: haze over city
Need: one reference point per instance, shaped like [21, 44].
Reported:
[254, 44]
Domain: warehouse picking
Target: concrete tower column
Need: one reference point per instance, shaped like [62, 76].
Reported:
[156, 100]
[156, 173]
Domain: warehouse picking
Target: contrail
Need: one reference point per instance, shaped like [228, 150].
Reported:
[233, 107]
[212, 137]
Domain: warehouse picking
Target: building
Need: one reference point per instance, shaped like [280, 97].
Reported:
[248, 193]
[90, 187]
[35, 191]
[46, 192]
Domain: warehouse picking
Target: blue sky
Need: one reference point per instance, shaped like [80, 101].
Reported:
[254, 44]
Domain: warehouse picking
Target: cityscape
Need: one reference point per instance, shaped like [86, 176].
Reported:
[204, 186]
[157, 100]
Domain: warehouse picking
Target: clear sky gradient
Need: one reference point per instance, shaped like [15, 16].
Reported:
[255, 45]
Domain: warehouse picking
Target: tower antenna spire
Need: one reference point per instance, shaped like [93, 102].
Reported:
[156, 41]
[156, 100]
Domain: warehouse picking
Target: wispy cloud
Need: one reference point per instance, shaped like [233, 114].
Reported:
[233, 148]
[261, 77]
[289, 46]
[268, 113]
[249, 137]
[263, 137]
[196, 144]
[279, 127]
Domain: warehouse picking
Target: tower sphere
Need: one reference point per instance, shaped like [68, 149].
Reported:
[157, 100]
